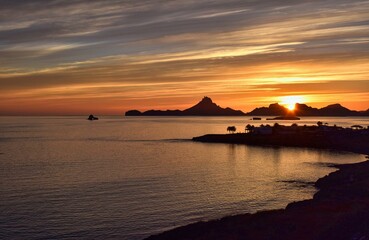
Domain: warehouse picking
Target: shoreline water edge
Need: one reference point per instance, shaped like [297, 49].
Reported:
[339, 210]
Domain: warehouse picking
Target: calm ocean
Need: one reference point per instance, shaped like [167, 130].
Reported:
[128, 178]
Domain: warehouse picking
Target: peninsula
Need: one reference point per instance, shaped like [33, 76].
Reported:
[339, 210]
[354, 139]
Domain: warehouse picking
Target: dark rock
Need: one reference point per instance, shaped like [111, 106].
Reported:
[92, 117]
[333, 217]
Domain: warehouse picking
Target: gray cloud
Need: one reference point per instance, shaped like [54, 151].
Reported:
[136, 20]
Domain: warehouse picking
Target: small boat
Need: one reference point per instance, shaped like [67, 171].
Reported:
[256, 118]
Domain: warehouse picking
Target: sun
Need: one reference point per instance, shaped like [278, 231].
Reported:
[291, 107]
[290, 101]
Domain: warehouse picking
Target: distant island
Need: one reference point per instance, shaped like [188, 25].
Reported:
[92, 118]
[285, 117]
[276, 109]
[206, 107]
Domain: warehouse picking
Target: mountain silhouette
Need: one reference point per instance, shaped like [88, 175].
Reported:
[273, 110]
[206, 107]
[305, 110]
[336, 110]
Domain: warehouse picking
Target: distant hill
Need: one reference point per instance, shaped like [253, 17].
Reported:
[273, 110]
[206, 107]
[337, 110]
[305, 110]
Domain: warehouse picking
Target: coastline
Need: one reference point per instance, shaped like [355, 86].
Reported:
[339, 210]
[350, 141]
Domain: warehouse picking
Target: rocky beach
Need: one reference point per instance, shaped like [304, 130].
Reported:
[339, 210]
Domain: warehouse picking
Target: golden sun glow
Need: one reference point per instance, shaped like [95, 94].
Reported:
[290, 101]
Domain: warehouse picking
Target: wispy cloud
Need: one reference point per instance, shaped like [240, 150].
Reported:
[124, 51]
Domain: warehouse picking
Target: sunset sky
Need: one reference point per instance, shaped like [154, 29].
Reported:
[106, 57]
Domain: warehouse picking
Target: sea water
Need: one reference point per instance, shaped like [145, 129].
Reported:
[130, 177]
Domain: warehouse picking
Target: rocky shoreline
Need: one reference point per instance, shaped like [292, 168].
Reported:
[339, 210]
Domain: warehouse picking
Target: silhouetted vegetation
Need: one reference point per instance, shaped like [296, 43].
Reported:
[315, 136]
[231, 129]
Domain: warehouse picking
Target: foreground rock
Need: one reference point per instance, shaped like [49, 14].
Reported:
[339, 210]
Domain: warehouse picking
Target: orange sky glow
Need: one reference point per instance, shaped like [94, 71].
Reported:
[116, 57]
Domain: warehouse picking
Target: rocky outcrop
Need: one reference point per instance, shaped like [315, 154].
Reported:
[92, 117]
[339, 210]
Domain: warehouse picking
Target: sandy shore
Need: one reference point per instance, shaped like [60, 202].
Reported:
[339, 210]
